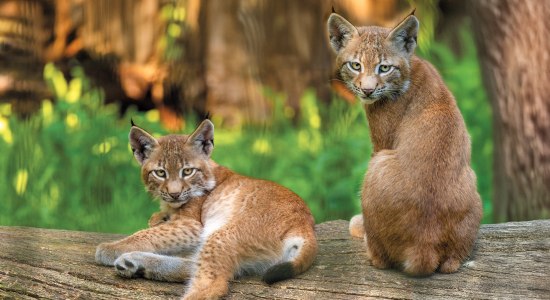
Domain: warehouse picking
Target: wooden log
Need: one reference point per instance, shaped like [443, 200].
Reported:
[510, 261]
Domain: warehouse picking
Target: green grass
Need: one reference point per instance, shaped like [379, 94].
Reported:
[70, 166]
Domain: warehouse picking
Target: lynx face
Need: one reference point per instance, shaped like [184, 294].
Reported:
[373, 62]
[175, 168]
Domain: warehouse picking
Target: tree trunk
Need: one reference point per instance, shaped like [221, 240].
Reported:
[280, 45]
[25, 27]
[512, 38]
[233, 87]
[252, 45]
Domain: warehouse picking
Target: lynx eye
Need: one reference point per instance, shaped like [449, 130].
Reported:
[160, 173]
[354, 66]
[187, 171]
[384, 68]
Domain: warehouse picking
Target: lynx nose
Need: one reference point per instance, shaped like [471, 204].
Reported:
[368, 92]
[174, 195]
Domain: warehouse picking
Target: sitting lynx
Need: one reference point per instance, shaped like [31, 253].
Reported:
[232, 224]
[421, 210]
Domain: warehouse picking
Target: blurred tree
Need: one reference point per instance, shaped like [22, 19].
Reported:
[190, 55]
[129, 31]
[25, 28]
[184, 47]
[512, 37]
[251, 45]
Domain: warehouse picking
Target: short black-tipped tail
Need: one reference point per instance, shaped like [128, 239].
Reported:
[279, 272]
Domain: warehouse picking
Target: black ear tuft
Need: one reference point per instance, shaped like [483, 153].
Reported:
[132, 122]
[202, 138]
[412, 12]
[333, 11]
[340, 31]
[142, 144]
[207, 116]
[403, 36]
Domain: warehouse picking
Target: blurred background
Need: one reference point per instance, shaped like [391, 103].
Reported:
[73, 73]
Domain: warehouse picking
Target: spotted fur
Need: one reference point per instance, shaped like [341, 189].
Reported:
[421, 210]
[214, 224]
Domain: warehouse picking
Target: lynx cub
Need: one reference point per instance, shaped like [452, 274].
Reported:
[421, 210]
[231, 223]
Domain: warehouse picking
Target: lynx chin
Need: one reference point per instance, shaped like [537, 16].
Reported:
[421, 209]
[214, 224]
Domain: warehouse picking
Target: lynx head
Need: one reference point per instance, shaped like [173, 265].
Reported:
[175, 168]
[373, 62]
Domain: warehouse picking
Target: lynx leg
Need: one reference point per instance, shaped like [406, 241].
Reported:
[168, 238]
[376, 254]
[214, 267]
[420, 260]
[464, 237]
[153, 266]
[158, 218]
[450, 265]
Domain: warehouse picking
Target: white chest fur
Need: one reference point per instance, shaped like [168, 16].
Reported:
[218, 213]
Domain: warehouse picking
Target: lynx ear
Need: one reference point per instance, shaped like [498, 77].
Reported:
[202, 138]
[142, 143]
[403, 36]
[340, 31]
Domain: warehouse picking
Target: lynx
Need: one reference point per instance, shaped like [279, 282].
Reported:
[421, 209]
[226, 223]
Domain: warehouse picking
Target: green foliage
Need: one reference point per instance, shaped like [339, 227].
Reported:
[173, 14]
[426, 10]
[322, 158]
[70, 166]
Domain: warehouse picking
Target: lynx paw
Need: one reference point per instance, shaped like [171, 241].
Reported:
[153, 266]
[158, 218]
[379, 263]
[130, 265]
[451, 265]
[375, 256]
[105, 254]
[208, 294]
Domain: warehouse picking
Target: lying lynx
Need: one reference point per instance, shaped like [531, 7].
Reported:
[232, 224]
[421, 210]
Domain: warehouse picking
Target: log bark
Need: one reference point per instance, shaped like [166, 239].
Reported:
[513, 49]
[510, 261]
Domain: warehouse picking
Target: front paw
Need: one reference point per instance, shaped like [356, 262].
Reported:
[106, 254]
[158, 218]
[129, 265]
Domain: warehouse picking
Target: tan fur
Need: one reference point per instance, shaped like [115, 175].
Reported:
[421, 210]
[236, 225]
[356, 226]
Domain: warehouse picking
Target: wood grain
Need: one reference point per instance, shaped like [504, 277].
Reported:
[510, 261]
[516, 70]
